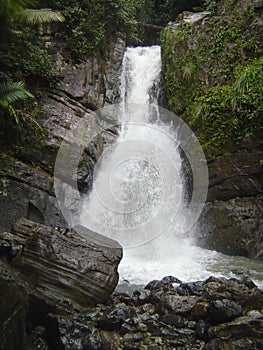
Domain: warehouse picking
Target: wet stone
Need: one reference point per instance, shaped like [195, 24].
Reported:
[170, 279]
[193, 288]
[180, 305]
[200, 310]
[142, 296]
[148, 308]
[154, 328]
[201, 329]
[173, 320]
[223, 311]
[132, 338]
[142, 327]
[114, 318]
[154, 285]
[126, 328]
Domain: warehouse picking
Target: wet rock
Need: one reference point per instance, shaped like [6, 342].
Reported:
[148, 308]
[255, 314]
[173, 320]
[127, 328]
[215, 344]
[170, 279]
[180, 305]
[142, 327]
[113, 319]
[244, 326]
[142, 296]
[223, 310]
[67, 269]
[123, 298]
[233, 227]
[200, 310]
[222, 288]
[167, 284]
[201, 329]
[180, 337]
[91, 341]
[132, 338]
[110, 340]
[26, 192]
[153, 327]
[167, 330]
[154, 285]
[193, 288]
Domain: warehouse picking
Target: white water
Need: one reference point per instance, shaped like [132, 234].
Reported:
[138, 193]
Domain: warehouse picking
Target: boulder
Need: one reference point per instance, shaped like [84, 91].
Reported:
[224, 310]
[66, 268]
[221, 288]
[244, 326]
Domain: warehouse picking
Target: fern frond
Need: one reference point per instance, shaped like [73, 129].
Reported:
[38, 16]
[11, 92]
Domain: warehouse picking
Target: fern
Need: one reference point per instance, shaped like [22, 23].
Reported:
[38, 16]
[10, 92]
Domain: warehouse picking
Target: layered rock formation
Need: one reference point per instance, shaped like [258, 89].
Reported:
[57, 270]
[26, 192]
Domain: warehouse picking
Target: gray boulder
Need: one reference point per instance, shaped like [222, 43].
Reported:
[67, 268]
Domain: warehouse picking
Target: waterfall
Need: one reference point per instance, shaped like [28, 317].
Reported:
[138, 194]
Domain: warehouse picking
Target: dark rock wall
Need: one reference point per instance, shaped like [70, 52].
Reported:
[26, 192]
[232, 219]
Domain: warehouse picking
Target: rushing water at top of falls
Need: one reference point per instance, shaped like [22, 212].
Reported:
[138, 194]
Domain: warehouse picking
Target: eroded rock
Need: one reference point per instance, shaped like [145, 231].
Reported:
[66, 268]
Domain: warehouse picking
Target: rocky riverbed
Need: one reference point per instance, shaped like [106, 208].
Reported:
[56, 288]
[214, 314]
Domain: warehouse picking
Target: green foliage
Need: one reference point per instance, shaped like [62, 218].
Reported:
[22, 59]
[19, 130]
[90, 26]
[227, 112]
[38, 63]
[10, 92]
[213, 75]
[210, 5]
[37, 16]
[187, 72]
[19, 11]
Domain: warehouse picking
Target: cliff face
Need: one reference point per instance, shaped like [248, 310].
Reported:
[203, 55]
[26, 190]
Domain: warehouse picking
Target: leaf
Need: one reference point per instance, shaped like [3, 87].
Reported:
[38, 16]
[11, 92]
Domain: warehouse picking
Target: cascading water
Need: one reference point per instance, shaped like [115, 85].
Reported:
[138, 191]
